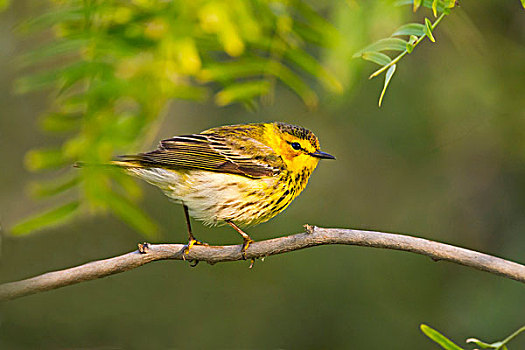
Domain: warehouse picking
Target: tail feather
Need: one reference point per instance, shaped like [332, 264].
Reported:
[85, 165]
[121, 161]
[128, 161]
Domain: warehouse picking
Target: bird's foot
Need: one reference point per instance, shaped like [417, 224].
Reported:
[245, 245]
[191, 243]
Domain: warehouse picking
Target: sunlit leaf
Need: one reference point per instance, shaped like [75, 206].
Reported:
[51, 50]
[4, 4]
[242, 91]
[484, 345]
[417, 3]
[310, 35]
[51, 78]
[434, 7]
[233, 70]
[315, 21]
[312, 66]
[45, 158]
[428, 30]
[53, 187]
[187, 92]
[49, 218]
[440, 339]
[417, 29]
[389, 44]
[440, 7]
[388, 76]
[48, 19]
[128, 184]
[376, 57]
[60, 122]
[294, 82]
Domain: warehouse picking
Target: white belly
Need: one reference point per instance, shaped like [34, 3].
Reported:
[214, 197]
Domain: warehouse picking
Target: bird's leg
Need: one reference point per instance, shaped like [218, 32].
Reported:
[247, 239]
[191, 238]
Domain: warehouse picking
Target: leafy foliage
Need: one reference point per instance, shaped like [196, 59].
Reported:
[115, 65]
[439, 338]
[415, 32]
[447, 344]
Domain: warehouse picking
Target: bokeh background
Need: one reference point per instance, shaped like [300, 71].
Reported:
[444, 159]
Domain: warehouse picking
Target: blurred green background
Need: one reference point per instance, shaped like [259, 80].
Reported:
[444, 158]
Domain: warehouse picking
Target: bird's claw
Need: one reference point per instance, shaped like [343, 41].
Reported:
[252, 262]
[245, 246]
[191, 243]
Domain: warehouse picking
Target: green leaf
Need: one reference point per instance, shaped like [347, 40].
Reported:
[50, 18]
[4, 4]
[417, 3]
[434, 7]
[389, 44]
[49, 218]
[428, 30]
[294, 82]
[310, 35]
[60, 122]
[440, 339]
[49, 78]
[388, 76]
[441, 7]
[411, 29]
[315, 21]
[309, 64]
[376, 57]
[242, 91]
[45, 158]
[127, 184]
[523, 3]
[131, 214]
[232, 70]
[55, 186]
[56, 48]
[187, 92]
[484, 345]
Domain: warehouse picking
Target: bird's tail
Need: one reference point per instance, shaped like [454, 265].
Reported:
[121, 162]
[127, 161]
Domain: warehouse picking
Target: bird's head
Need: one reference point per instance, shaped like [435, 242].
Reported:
[298, 147]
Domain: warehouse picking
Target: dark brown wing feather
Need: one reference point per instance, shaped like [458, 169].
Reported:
[213, 153]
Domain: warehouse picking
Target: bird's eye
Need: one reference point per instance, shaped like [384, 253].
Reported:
[296, 145]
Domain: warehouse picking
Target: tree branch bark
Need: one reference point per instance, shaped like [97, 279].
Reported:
[313, 236]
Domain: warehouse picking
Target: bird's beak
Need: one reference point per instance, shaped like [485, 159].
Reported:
[322, 155]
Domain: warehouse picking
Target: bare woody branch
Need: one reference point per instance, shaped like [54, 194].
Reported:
[314, 236]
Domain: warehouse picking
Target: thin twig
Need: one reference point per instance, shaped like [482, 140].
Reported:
[313, 236]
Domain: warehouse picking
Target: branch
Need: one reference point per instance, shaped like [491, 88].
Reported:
[314, 236]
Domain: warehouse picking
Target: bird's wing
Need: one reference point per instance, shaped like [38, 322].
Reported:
[235, 154]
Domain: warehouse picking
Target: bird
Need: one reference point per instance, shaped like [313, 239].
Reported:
[240, 175]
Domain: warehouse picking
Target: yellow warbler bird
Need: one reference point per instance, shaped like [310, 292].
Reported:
[237, 174]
